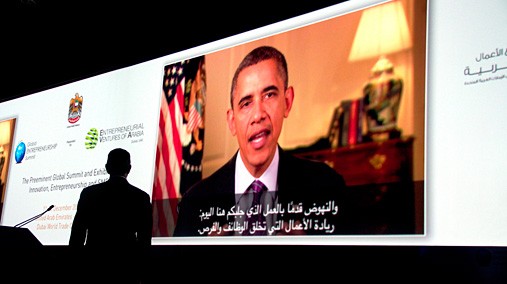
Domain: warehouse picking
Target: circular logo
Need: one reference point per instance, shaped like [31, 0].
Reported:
[19, 154]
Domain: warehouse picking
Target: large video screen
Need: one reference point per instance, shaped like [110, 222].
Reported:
[402, 112]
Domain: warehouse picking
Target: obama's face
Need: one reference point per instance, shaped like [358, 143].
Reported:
[260, 103]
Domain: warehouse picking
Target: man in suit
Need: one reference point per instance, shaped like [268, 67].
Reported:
[112, 226]
[297, 197]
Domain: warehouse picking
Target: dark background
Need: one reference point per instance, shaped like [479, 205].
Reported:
[46, 44]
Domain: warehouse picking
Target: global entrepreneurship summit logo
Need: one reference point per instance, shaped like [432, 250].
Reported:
[19, 154]
[92, 136]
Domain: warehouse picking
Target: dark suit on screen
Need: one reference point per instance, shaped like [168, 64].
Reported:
[299, 180]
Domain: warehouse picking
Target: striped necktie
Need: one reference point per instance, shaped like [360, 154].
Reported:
[256, 220]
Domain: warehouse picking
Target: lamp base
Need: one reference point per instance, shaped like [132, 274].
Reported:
[382, 136]
[382, 97]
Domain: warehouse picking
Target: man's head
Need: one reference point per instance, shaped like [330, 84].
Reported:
[260, 100]
[118, 162]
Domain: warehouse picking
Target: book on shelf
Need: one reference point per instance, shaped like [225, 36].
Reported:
[351, 122]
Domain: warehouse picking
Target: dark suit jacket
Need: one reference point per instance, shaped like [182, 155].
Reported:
[112, 214]
[312, 184]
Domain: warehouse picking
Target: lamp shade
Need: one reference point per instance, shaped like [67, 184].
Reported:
[382, 29]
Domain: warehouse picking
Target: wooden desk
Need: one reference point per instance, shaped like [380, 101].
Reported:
[380, 183]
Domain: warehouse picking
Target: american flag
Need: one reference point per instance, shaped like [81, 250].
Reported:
[169, 151]
[195, 116]
[173, 136]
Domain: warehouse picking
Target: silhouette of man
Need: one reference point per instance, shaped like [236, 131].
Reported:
[112, 227]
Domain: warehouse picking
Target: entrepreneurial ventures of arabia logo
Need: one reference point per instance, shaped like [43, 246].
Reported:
[133, 132]
[91, 138]
[488, 66]
[75, 108]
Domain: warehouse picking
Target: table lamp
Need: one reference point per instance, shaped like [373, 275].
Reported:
[382, 30]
